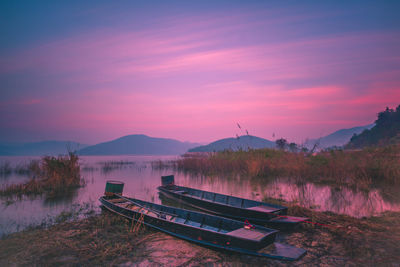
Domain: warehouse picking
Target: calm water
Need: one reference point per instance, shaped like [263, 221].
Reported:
[141, 182]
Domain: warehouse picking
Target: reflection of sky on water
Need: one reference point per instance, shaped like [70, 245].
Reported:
[141, 181]
[319, 197]
[325, 198]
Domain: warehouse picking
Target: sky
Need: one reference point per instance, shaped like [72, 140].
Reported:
[93, 71]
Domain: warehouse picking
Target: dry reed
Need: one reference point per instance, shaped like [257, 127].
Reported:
[51, 175]
[364, 168]
[95, 241]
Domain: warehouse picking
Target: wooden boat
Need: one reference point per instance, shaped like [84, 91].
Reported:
[203, 229]
[229, 206]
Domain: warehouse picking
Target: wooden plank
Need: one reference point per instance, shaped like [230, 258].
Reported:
[263, 209]
[254, 234]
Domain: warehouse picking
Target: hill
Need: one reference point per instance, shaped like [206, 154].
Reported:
[338, 138]
[138, 144]
[385, 132]
[243, 142]
[39, 148]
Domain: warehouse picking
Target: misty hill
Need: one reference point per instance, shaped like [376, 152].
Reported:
[385, 132]
[338, 138]
[138, 144]
[243, 142]
[39, 148]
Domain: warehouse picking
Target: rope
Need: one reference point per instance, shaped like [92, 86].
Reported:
[135, 227]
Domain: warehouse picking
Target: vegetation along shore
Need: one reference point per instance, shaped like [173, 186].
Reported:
[105, 239]
[51, 175]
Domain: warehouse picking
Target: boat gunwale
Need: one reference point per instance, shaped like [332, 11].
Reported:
[270, 231]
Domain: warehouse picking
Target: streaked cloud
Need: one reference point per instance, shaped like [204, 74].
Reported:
[193, 76]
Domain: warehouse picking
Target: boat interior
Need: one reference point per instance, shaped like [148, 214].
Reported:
[194, 219]
[227, 200]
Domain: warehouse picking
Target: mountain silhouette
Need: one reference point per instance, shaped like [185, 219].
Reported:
[138, 144]
[337, 138]
[243, 142]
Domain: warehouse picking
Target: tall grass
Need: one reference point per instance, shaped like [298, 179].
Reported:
[27, 169]
[371, 166]
[50, 175]
[108, 166]
[5, 168]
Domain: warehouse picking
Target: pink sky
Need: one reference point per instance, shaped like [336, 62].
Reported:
[195, 75]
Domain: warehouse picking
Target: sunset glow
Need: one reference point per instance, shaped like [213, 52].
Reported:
[193, 71]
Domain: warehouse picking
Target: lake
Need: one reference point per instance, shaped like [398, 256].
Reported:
[141, 181]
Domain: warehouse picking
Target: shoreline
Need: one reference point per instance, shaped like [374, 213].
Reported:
[105, 239]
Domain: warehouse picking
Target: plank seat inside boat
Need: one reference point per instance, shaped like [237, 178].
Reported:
[180, 220]
[193, 223]
[211, 228]
[254, 234]
[199, 225]
[264, 208]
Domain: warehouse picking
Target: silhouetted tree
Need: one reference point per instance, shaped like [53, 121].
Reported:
[293, 147]
[386, 131]
[281, 143]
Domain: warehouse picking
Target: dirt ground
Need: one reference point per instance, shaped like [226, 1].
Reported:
[330, 240]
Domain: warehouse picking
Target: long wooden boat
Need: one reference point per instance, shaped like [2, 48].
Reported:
[203, 229]
[229, 206]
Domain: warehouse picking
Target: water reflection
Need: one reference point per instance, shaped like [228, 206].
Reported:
[61, 198]
[141, 181]
[326, 198]
[343, 200]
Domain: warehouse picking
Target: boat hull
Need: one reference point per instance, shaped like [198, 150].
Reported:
[191, 232]
[272, 215]
[219, 240]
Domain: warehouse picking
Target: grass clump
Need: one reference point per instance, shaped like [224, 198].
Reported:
[50, 175]
[108, 166]
[27, 169]
[107, 240]
[5, 168]
[102, 240]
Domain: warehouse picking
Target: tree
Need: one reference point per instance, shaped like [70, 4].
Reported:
[385, 131]
[293, 147]
[281, 143]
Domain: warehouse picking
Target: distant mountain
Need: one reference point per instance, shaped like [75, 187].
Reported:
[243, 142]
[138, 144]
[39, 148]
[338, 138]
[385, 132]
